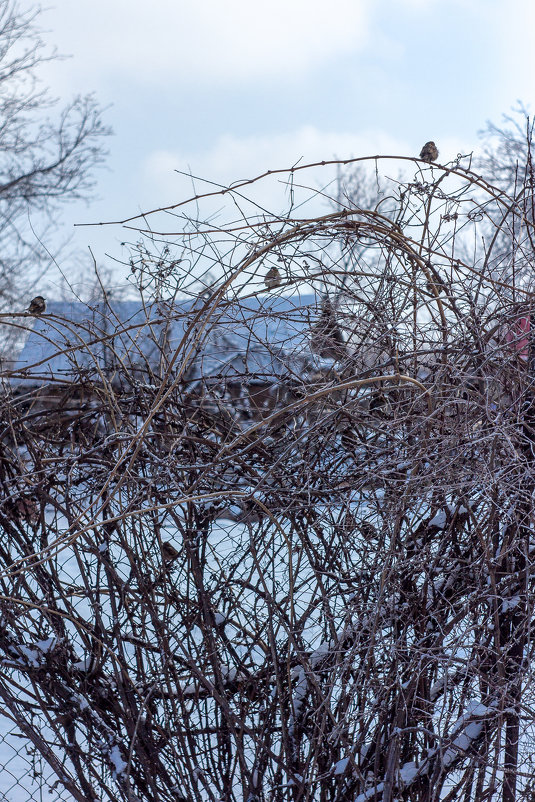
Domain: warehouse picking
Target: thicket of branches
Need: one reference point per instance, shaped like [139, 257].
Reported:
[323, 591]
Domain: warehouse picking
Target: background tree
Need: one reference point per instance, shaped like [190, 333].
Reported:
[507, 161]
[507, 149]
[45, 161]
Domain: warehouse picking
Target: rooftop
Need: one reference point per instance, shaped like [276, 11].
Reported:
[261, 338]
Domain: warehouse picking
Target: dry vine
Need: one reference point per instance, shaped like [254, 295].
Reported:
[277, 545]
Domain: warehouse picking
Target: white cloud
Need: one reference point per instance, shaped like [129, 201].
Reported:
[515, 24]
[181, 42]
[232, 159]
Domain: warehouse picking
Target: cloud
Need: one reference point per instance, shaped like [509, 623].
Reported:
[514, 24]
[232, 159]
[169, 177]
[212, 41]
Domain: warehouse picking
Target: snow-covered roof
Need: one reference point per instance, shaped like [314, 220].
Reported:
[262, 338]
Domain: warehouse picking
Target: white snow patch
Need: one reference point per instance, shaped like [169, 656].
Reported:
[118, 763]
[299, 692]
[408, 772]
[229, 673]
[81, 701]
[370, 793]
[510, 604]
[439, 520]
[33, 656]
[83, 665]
[297, 778]
[46, 645]
[341, 766]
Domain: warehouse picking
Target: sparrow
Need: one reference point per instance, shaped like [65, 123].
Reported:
[429, 152]
[37, 305]
[326, 338]
[272, 278]
[169, 552]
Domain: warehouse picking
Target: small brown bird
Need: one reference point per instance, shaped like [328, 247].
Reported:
[326, 338]
[272, 278]
[169, 552]
[37, 305]
[429, 152]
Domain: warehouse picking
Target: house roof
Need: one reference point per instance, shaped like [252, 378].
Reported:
[257, 338]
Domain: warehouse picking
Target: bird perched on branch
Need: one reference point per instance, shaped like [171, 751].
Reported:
[272, 278]
[37, 305]
[429, 152]
[169, 552]
[326, 338]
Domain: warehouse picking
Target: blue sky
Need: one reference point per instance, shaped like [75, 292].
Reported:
[228, 89]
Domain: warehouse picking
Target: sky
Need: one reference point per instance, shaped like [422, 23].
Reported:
[226, 90]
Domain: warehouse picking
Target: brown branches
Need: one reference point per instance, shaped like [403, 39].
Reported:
[280, 547]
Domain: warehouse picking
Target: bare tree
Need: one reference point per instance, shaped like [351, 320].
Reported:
[507, 161]
[280, 547]
[45, 161]
[507, 148]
